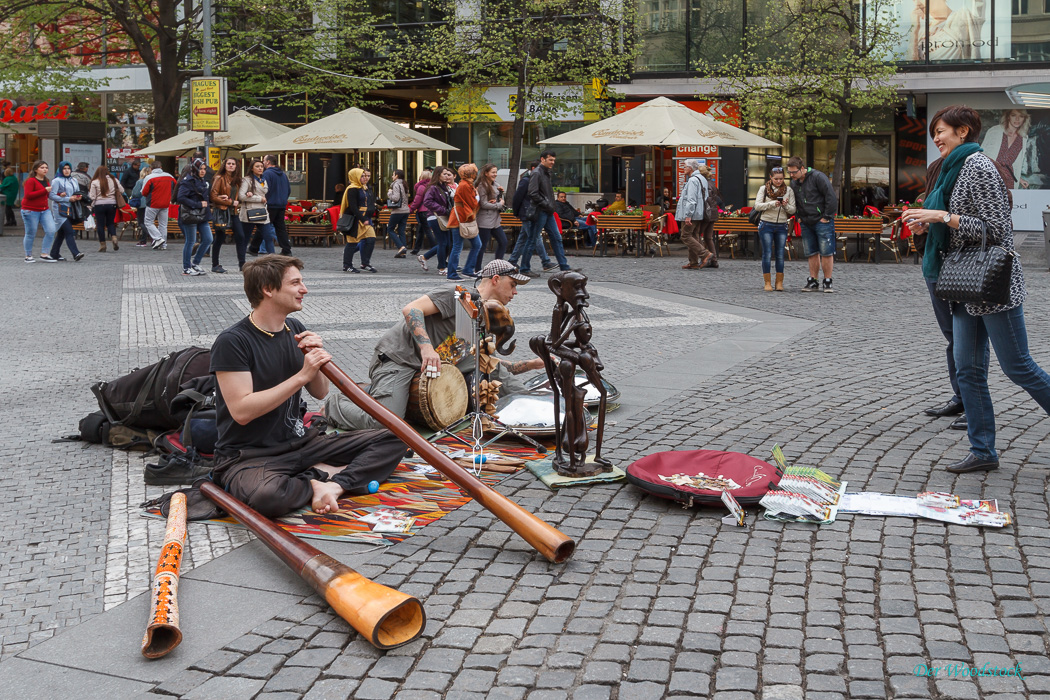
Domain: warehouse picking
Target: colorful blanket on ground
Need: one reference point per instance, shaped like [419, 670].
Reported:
[422, 494]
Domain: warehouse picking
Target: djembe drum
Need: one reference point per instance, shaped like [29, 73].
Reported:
[439, 401]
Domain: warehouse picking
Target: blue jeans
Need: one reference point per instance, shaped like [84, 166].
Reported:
[818, 237]
[774, 238]
[942, 310]
[32, 220]
[442, 244]
[190, 232]
[590, 231]
[268, 233]
[525, 238]
[65, 233]
[396, 229]
[457, 248]
[536, 231]
[487, 234]
[1007, 333]
[423, 235]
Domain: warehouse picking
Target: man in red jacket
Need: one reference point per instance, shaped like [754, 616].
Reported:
[158, 190]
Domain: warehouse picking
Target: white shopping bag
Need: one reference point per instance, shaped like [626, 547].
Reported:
[89, 223]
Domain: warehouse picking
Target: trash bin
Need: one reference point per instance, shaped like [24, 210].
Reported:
[1046, 236]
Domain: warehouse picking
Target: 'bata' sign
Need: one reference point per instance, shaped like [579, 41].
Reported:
[31, 113]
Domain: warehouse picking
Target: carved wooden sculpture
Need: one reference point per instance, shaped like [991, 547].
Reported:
[566, 347]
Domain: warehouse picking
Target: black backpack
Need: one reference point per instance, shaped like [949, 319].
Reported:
[143, 398]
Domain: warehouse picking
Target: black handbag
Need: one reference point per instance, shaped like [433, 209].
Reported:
[754, 217]
[256, 216]
[192, 215]
[346, 224]
[977, 274]
[221, 218]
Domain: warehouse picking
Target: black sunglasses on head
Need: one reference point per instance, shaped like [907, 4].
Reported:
[776, 170]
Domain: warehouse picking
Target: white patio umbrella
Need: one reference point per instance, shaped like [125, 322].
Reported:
[351, 131]
[243, 129]
[660, 122]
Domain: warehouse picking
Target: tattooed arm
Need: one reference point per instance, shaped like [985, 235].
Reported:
[414, 314]
[522, 366]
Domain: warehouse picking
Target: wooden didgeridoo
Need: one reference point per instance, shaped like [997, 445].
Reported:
[548, 541]
[385, 617]
[162, 632]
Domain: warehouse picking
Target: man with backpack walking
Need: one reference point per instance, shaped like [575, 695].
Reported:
[521, 193]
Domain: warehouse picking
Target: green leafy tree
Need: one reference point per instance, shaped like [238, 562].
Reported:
[325, 55]
[813, 66]
[48, 39]
[530, 45]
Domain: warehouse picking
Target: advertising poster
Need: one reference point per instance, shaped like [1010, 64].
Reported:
[960, 30]
[90, 153]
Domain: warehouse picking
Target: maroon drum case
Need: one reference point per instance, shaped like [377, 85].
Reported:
[700, 476]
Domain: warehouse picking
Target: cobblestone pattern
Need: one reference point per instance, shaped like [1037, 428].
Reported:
[660, 601]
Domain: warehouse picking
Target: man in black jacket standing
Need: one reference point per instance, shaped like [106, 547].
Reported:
[521, 193]
[817, 205]
[541, 193]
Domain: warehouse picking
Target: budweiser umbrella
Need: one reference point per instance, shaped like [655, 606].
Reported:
[350, 131]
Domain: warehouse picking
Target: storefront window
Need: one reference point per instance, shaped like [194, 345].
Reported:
[661, 27]
[577, 166]
[129, 126]
[716, 29]
[1027, 36]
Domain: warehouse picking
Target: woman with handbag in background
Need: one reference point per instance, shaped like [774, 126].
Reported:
[397, 201]
[438, 204]
[106, 195]
[490, 203]
[64, 195]
[423, 235]
[969, 203]
[194, 215]
[355, 216]
[776, 202]
[251, 200]
[225, 188]
[463, 223]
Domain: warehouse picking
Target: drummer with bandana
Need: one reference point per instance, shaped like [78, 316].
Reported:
[420, 342]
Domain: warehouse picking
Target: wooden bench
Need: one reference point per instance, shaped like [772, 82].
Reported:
[619, 227]
[735, 227]
[320, 233]
[860, 228]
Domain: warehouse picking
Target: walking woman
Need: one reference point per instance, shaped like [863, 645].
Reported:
[65, 191]
[362, 236]
[490, 203]
[225, 188]
[138, 203]
[464, 214]
[194, 194]
[776, 201]
[103, 193]
[9, 189]
[36, 213]
[251, 201]
[423, 235]
[397, 200]
[968, 198]
[438, 203]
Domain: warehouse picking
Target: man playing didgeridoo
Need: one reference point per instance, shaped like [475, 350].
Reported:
[418, 343]
[264, 456]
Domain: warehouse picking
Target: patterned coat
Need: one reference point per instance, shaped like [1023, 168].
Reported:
[980, 195]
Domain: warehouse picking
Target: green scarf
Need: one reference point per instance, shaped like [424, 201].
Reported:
[937, 238]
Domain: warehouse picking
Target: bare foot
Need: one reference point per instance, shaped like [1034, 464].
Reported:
[326, 496]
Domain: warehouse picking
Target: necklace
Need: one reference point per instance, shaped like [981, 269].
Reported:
[263, 330]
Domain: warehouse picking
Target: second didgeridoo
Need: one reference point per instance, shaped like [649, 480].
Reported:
[385, 617]
[548, 541]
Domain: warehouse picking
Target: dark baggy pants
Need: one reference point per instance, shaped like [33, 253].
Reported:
[278, 483]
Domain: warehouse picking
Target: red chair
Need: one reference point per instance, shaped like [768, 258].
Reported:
[333, 216]
[294, 212]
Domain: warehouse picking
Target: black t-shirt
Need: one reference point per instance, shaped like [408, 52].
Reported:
[244, 348]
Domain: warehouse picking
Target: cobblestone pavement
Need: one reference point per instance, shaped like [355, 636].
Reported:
[658, 601]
